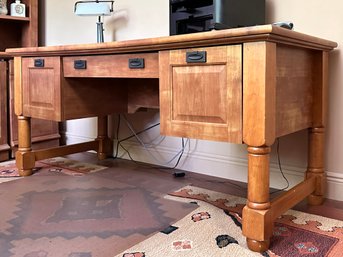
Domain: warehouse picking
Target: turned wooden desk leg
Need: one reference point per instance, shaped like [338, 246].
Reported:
[25, 159]
[257, 223]
[316, 164]
[105, 144]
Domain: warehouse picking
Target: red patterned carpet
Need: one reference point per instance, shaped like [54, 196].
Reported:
[51, 214]
[214, 229]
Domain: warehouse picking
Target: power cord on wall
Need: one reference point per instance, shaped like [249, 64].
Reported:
[117, 137]
[129, 137]
[180, 154]
[135, 134]
[280, 168]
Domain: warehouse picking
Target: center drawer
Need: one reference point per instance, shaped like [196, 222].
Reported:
[140, 65]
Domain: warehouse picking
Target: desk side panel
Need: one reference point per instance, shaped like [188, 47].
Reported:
[295, 79]
[4, 147]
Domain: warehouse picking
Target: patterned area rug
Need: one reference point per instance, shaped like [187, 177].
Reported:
[96, 215]
[58, 164]
[214, 229]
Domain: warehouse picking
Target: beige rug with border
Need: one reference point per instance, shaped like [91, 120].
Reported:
[214, 229]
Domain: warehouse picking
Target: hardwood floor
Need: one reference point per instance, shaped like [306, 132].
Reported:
[330, 208]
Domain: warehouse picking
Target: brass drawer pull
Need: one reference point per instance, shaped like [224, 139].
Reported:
[196, 57]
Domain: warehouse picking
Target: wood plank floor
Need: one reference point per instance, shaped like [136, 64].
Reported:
[330, 208]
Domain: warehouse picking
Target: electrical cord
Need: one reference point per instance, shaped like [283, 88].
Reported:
[180, 154]
[245, 188]
[156, 166]
[135, 134]
[129, 137]
[146, 148]
[280, 168]
[117, 137]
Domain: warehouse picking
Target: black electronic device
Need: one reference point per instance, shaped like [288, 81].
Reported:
[179, 174]
[188, 16]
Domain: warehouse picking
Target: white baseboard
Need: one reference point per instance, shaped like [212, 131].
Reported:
[335, 186]
[234, 168]
[75, 139]
[223, 166]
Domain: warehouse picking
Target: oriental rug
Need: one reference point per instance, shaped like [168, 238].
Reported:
[58, 164]
[51, 214]
[214, 229]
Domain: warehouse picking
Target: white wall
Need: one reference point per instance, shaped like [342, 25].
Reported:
[137, 19]
[131, 20]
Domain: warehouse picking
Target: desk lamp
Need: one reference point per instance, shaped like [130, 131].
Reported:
[95, 8]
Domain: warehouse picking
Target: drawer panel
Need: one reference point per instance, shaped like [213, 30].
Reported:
[112, 66]
[41, 81]
[201, 96]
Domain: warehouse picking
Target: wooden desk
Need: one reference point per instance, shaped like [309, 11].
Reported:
[248, 85]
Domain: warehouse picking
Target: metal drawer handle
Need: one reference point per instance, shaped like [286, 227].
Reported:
[196, 57]
[39, 63]
[136, 63]
[80, 64]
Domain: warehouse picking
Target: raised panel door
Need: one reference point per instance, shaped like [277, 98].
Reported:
[42, 87]
[202, 99]
[44, 132]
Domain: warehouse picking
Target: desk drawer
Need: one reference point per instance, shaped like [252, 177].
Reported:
[201, 93]
[112, 66]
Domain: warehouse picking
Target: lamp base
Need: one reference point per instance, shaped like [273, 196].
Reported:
[100, 31]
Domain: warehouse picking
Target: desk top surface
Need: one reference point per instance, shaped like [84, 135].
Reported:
[4, 55]
[219, 37]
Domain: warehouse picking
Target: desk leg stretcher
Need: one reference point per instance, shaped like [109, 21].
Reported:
[26, 157]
